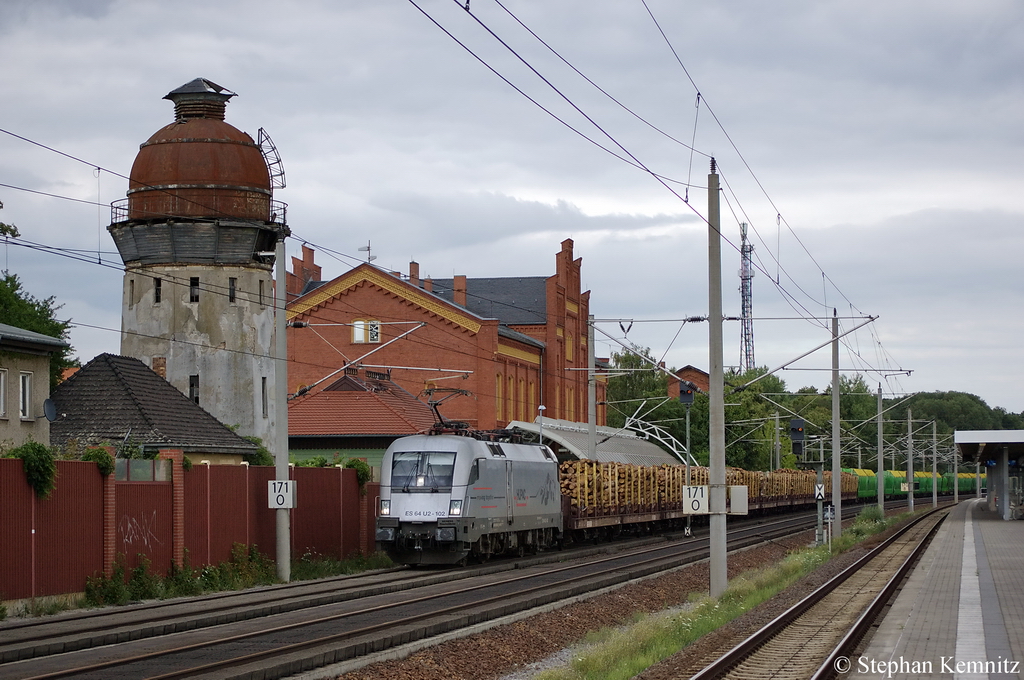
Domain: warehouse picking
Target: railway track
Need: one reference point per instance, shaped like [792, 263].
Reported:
[300, 626]
[811, 639]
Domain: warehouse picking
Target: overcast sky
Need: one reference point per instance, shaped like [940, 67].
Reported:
[874, 148]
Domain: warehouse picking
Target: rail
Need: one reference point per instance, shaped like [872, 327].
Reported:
[825, 668]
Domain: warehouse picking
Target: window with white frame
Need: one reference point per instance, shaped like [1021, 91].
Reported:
[3, 394]
[25, 401]
[365, 331]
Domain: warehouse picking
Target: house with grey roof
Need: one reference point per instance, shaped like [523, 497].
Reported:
[24, 384]
[113, 399]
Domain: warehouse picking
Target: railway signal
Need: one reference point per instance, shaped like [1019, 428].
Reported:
[796, 435]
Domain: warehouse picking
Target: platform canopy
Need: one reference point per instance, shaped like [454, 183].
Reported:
[613, 445]
[982, 445]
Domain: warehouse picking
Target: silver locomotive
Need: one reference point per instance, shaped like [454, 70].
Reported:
[446, 498]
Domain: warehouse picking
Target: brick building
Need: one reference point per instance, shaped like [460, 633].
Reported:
[510, 342]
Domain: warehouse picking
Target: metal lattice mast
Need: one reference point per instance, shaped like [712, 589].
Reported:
[746, 295]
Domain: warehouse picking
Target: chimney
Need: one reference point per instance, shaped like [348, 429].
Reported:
[459, 294]
[414, 273]
[428, 284]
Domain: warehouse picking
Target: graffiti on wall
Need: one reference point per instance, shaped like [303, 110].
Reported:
[138, 531]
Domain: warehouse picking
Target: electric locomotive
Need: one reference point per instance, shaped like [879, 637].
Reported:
[447, 497]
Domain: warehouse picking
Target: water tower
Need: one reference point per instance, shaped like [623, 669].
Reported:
[197, 234]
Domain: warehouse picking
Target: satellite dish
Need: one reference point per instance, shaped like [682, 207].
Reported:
[50, 410]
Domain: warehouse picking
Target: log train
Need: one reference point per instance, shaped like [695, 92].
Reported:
[446, 498]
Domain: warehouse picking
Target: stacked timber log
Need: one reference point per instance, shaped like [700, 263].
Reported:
[596, 489]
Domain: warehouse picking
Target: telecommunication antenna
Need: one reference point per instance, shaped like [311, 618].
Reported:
[366, 249]
[746, 296]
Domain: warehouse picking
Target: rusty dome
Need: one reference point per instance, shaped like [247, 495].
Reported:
[199, 166]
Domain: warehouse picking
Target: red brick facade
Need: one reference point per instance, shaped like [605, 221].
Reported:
[691, 374]
[508, 377]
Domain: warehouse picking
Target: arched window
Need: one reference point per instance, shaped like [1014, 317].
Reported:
[511, 397]
[521, 402]
[498, 403]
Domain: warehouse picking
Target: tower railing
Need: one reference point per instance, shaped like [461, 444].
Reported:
[119, 212]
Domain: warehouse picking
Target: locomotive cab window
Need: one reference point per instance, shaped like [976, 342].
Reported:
[423, 470]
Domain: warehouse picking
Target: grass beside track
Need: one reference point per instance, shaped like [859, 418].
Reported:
[247, 568]
[623, 652]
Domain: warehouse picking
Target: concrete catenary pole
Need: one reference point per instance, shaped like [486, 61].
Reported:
[910, 461]
[283, 519]
[935, 466]
[881, 456]
[956, 475]
[716, 393]
[778, 444]
[837, 489]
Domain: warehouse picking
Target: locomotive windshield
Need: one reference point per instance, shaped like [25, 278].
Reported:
[422, 469]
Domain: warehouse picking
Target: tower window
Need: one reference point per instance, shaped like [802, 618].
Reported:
[265, 396]
[131, 293]
[232, 283]
[193, 289]
[193, 388]
[261, 292]
[157, 291]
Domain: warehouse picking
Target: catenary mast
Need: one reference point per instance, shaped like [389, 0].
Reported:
[746, 295]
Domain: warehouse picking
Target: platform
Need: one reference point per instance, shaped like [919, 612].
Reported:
[961, 612]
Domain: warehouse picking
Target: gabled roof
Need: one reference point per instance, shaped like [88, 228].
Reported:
[513, 300]
[353, 406]
[506, 332]
[112, 397]
[16, 339]
[368, 274]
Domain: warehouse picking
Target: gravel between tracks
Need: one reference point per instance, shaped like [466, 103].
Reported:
[518, 651]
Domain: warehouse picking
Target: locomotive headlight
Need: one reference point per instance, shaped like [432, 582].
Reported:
[455, 508]
[385, 507]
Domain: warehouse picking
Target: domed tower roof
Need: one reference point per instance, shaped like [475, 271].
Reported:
[202, 172]
[199, 166]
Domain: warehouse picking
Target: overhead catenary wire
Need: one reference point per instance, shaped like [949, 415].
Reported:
[647, 170]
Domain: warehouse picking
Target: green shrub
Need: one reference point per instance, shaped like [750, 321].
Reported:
[315, 461]
[104, 461]
[144, 585]
[182, 581]
[364, 473]
[871, 513]
[102, 590]
[40, 467]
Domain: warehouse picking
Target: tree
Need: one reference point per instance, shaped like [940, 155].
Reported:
[642, 390]
[19, 308]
